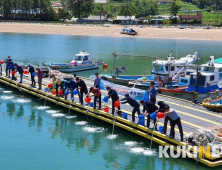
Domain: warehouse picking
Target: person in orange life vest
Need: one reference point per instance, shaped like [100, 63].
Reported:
[97, 95]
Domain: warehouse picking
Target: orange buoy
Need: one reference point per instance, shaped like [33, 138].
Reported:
[105, 65]
[2, 62]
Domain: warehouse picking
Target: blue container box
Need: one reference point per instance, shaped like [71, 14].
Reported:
[161, 129]
[91, 104]
[142, 122]
[141, 117]
[124, 115]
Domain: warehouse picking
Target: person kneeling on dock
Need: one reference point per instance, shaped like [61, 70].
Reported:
[175, 121]
[134, 104]
[20, 70]
[114, 96]
[149, 107]
[63, 87]
[81, 85]
[97, 94]
[57, 81]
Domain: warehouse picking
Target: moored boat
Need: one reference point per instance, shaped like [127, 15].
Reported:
[203, 83]
[161, 68]
[80, 62]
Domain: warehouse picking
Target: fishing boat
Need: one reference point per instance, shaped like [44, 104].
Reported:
[80, 62]
[203, 83]
[161, 68]
[128, 31]
[183, 82]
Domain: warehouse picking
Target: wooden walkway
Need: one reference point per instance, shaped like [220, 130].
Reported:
[192, 116]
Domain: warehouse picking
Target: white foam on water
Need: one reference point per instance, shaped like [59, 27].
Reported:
[93, 129]
[52, 111]
[112, 136]
[58, 115]
[7, 97]
[149, 152]
[22, 100]
[42, 107]
[81, 123]
[137, 150]
[8, 92]
[71, 117]
[130, 143]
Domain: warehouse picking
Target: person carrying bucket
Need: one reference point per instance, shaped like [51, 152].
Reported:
[97, 95]
[162, 105]
[12, 67]
[40, 76]
[114, 96]
[20, 70]
[97, 80]
[134, 104]
[71, 86]
[81, 85]
[57, 81]
[153, 92]
[64, 87]
[31, 71]
[175, 121]
[148, 108]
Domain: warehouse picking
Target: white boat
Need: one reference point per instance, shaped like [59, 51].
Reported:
[161, 68]
[203, 83]
[80, 62]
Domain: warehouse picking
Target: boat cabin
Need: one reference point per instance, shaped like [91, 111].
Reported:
[172, 67]
[81, 58]
[208, 77]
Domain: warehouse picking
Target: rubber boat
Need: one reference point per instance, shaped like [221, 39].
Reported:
[80, 62]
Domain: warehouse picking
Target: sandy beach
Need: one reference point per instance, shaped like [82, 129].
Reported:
[113, 31]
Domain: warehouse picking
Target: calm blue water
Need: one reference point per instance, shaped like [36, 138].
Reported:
[35, 48]
[33, 137]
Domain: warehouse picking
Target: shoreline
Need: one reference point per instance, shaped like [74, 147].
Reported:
[113, 31]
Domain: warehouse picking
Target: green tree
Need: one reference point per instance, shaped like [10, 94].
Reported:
[99, 9]
[63, 14]
[7, 7]
[174, 8]
[80, 8]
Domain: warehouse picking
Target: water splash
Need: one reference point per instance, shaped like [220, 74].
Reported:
[144, 151]
[130, 143]
[8, 92]
[42, 107]
[58, 115]
[71, 117]
[111, 136]
[52, 111]
[93, 129]
[7, 97]
[22, 100]
[81, 123]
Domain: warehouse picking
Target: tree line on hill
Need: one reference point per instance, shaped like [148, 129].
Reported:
[209, 5]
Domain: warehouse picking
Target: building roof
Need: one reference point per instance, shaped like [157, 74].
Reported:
[156, 19]
[95, 17]
[125, 17]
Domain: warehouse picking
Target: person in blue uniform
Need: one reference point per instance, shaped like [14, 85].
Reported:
[31, 71]
[132, 102]
[153, 93]
[175, 121]
[71, 86]
[114, 96]
[148, 108]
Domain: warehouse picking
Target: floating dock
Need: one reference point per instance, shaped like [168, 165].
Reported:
[192, 116]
